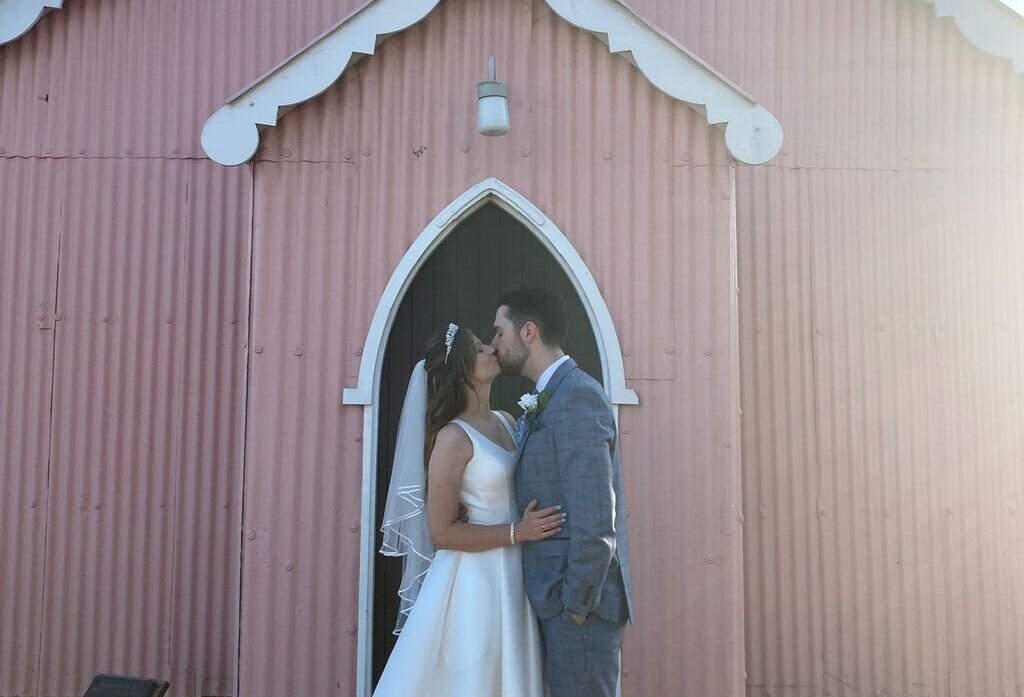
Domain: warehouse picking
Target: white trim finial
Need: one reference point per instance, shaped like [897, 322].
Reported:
[989, 25]
[18, 16]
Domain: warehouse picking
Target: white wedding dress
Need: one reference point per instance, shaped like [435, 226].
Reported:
[471, 632]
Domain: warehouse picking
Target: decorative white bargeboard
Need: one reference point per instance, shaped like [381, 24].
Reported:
[18, 16]
[753, 135]
[989, 25]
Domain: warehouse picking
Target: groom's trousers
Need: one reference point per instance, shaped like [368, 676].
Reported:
[581, 661]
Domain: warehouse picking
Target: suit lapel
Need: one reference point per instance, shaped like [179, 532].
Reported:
[552, 385]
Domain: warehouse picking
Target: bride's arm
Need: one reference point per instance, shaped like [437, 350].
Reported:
[452, 452]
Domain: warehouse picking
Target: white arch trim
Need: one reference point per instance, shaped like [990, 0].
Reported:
[433, 235]
[231, 136]
[990, 25]
[18, 16]
[496, 191]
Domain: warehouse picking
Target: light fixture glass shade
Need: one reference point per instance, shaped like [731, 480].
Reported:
[493, 115]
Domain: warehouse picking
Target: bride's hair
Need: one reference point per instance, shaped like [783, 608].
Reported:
[446, 382]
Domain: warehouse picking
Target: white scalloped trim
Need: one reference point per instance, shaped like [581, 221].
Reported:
[989, 25]
[18, 16]
[752, 134]
[231, 136]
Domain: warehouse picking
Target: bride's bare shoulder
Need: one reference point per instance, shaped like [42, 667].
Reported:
[452, 443]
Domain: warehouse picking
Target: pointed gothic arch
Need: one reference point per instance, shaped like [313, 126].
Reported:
[367, 388]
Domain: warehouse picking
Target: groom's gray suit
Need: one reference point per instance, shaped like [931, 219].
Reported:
[569, 455]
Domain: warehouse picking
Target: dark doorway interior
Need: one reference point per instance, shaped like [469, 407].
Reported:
[489, 254]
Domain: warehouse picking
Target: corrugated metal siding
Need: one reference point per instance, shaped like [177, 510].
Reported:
[29, 241]
[303, 476]
[116, 409]
[880, 85]
[151, 277]
[119, 78]
[212, 374]
[883, 385]
[642, 188]
[882, 465]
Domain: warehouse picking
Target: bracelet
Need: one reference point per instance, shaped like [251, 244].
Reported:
[512, 533]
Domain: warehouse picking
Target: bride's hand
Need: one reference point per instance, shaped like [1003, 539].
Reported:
[539, 525]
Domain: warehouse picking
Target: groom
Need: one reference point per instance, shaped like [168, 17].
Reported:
[578, 582]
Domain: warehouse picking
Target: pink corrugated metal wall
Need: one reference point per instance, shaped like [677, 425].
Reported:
[642, 188]
[29, 239]
[881, 335]
[880, 326]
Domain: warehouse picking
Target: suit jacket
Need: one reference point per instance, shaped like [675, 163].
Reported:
[570, 457]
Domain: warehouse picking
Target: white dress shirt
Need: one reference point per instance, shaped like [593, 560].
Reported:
[545, 377]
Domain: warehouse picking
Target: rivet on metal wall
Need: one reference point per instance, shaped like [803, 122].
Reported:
[285, 152]
[366, 152]
[358, 439]
[348, 154]
[707, 352]
[170, 320]
[465, 148]
[251, 535]
[259, 348]
[359, 352]
[298, 351]
[33, 504]
[163, 504]
[606, 155]
[289, 567]
[350, 629]
[525, 152]
[353, 528]
[709, 560]
[669, 350]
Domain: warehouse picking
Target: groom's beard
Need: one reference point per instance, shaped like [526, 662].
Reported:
[513, 363]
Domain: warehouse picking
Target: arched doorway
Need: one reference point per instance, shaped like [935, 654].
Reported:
[488, 254]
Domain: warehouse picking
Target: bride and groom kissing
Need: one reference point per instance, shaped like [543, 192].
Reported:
[516, 578]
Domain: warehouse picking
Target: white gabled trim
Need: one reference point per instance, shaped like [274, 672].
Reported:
[368, 386]
[232, 135]
[753, 135]
[18, 16]
[989, 25]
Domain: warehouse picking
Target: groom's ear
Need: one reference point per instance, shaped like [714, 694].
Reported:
[529, 332]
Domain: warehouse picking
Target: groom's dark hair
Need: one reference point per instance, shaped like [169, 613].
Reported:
[543, 307]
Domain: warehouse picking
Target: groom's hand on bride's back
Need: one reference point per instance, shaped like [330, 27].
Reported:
[463, 514]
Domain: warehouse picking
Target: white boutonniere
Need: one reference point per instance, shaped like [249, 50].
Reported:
[528, 402]
[532, 405]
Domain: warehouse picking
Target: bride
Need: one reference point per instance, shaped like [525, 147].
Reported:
[465, 626]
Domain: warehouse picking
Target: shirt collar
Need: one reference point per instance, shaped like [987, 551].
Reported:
[545, 377]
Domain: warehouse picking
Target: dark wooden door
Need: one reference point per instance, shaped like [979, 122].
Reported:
[488, 255]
